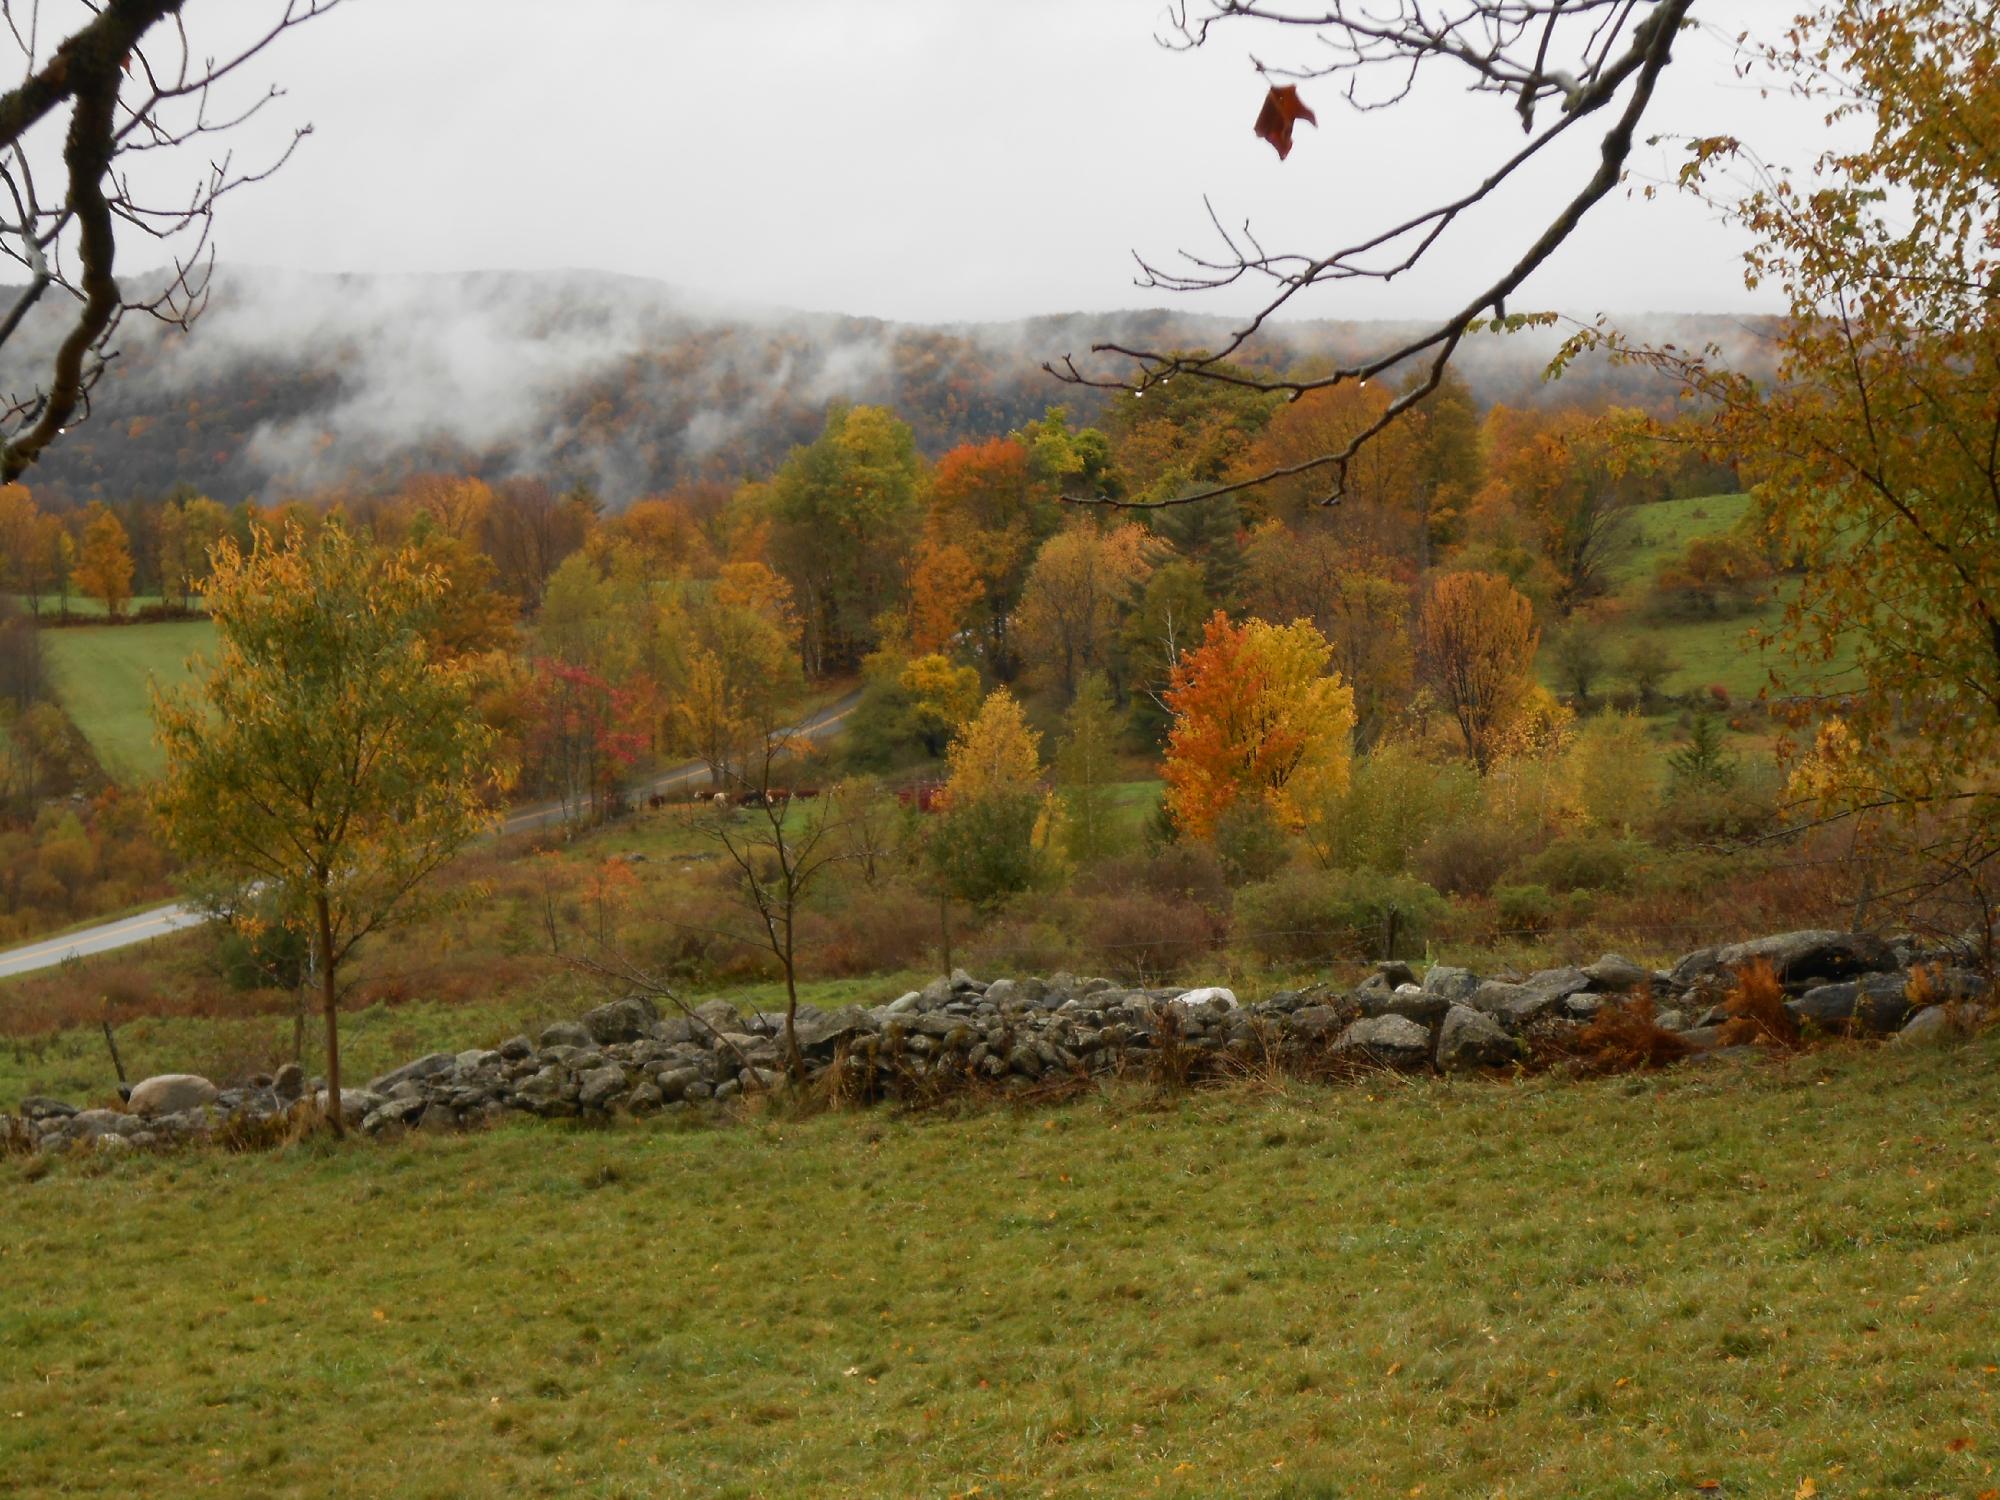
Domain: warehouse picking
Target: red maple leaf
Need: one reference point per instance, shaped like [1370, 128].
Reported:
[1282, 108]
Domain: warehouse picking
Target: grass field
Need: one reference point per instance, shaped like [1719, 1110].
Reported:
[1714, 651]
[1771, 1279]
[101, 674]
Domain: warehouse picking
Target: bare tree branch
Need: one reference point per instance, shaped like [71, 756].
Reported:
[1505, 46]
[121, 100]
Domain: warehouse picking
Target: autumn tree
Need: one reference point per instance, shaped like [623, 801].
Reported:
[945, 590]
[1082, 582]
[843, 511]
[1258, 717]
[328, 755]
[188, 528]
[1363, 613]
[30, 546]
[740, 671]
[582, 733]
[942, 696]
[1476, 640]
[984, 844]
[104, 562]
[1165, 620]
[994, 504]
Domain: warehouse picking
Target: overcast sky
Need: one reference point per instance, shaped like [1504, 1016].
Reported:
[915, 159]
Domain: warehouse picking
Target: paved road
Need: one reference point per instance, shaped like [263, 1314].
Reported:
[140, 926]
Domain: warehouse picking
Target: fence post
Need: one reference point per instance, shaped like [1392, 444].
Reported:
[1394, 919]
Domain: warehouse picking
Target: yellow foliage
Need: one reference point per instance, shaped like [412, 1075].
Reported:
[996, 752]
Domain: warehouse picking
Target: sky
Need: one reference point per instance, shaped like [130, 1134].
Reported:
[925, 160]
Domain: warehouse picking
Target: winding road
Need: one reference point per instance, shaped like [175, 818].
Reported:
[138, 927]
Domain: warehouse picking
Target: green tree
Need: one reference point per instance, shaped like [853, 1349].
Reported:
[845, 510]
[1086, 764]
[330, 756]
[1647, 665]
[1578, 654]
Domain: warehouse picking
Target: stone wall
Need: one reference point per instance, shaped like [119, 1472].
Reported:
[1022, 1035]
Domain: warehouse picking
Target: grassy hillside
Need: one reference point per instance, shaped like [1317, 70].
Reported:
[1707, 651]
[1755, 1277]
[101, 673]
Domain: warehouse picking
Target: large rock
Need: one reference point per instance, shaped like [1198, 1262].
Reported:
[355, 1104]
[1409, 1000]
[820, 1031]
[1614, 973]
[1394, 1041]
[1316, 1024]
[1879, 1004]
[1454, 985]
[717, 1016]
[1514, 1005]
[1470, 1039]
[1815, 953]
[566, 1034]
[599, 1087]
[1212, 998]
[1558, 984]
[415, 1072]
[1934, 1024]
[624, 1020]
[170, 1093]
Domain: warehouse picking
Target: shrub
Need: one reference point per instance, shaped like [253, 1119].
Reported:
[877, 929]
[1756, 1007]
[1142, 937]
[1307, 915]
[1189, 873]
[1467, 858]
[1249, 843]
[1589, 863]
[1524, 908]
[1395, 802]
[983, 849]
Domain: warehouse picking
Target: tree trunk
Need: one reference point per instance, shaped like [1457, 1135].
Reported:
[323, 941]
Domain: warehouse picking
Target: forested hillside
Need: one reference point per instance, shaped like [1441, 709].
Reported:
[293, 383]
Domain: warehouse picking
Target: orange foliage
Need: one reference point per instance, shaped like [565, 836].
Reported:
[1756, 1007]
[944, 587]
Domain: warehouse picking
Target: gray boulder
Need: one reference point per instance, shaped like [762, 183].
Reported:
[597, 1088]
[820, 1031]
[355, 1104]
[1614, 972]
[938, 992]
[566, 1034]
[1454, 985]
[1558, 984]
[1514, 1005]
[1393, 1041]
[289, 1084]
[1470, 1039]
[1879, 1004]
[1815, 953]
[624, 1020]
[170, 1093]
[1425, 1006]
[1314, 1024]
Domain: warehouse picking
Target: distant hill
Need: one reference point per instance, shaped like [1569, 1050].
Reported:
[294, 382]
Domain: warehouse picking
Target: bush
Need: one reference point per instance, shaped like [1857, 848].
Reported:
[1143, 938]
[1249, 843]
[1189, 873]
[1524, 908]
[983, 850]
[876, 930]
[1303, 916]
[1394, 803]
[1589, 863]
[1468, 858]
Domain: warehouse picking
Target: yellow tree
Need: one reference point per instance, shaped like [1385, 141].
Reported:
[1476, 640]
[1257, 715]
[329, 754]
[995, 752]
[104, 563]
[1082, 582]
[942, 696]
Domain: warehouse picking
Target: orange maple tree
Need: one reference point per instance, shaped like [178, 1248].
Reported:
[1257, 713]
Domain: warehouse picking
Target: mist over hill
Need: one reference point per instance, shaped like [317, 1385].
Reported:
[295, 382]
